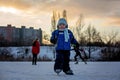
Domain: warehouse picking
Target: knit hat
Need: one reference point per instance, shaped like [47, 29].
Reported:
[62, 21]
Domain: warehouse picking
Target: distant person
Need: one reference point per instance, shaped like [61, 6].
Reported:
[35, 51]
[78, 53]
[26, 51]
[63, 38]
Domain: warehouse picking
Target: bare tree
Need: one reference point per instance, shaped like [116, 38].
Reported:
[78, 30]
[88, 33]
[110, 38]
[53, 21]
[46, 36]
[92, 36]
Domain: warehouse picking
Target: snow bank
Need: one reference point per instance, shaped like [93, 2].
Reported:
[49, 51]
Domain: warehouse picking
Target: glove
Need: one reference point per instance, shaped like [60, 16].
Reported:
[54, 41]
[77, 45]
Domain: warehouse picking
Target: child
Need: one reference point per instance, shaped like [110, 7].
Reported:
[76, 48]
[63, 38]
[35, 51]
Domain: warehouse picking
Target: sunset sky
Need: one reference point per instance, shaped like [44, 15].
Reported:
[103, 14]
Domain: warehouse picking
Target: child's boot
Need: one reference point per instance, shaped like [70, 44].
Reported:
[69, 72]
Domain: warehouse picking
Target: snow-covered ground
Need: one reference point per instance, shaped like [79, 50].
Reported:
[44, 71]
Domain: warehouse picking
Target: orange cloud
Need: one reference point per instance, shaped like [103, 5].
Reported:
[19, 4]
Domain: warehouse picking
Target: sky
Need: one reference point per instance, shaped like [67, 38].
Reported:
[103, 14]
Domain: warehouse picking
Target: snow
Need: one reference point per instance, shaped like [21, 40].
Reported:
[18, 51]
[49, 51]
[44, 71]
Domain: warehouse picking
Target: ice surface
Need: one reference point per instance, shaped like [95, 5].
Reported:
[44, 71]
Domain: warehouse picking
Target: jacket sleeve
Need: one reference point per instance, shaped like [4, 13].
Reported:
[53, 38]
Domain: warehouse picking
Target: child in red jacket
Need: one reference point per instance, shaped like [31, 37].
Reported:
[35, 51]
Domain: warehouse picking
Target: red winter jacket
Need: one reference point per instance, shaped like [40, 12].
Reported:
[36, 47]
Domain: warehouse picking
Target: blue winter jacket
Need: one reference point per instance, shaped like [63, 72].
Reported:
[58, 39]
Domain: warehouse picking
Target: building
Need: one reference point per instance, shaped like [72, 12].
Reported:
[12, 36]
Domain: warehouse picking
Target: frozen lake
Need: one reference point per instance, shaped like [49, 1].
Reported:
[44, 71]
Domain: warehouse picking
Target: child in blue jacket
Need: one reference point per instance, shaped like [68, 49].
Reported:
[63, 38]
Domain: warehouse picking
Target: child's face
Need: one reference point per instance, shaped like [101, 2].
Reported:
[61, 26]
